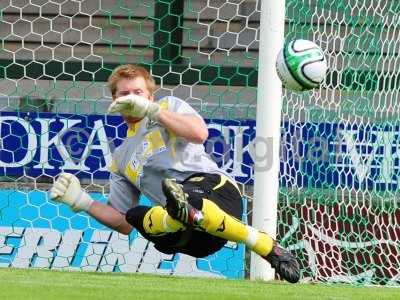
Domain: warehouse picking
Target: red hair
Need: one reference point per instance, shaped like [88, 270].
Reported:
[130, 71]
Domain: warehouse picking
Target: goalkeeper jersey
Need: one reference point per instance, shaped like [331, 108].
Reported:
[151, 153]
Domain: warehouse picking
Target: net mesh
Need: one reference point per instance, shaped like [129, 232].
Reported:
[338, 207]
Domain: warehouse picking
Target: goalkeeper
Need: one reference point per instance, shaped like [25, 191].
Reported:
[163, 158]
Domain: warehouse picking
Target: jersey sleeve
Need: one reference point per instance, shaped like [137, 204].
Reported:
[177, 105]
[123, 195]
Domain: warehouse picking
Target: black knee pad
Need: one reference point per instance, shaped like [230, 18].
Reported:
[195, 243]
[166, 243]
[135, 216]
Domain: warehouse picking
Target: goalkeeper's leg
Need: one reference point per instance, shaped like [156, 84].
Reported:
[157, 226]
[212, 203]
[155, 221]
[170, 236]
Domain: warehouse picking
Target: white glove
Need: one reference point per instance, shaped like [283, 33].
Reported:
[135, 106]
[67, 189]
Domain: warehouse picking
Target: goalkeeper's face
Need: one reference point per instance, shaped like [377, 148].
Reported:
[133, 86]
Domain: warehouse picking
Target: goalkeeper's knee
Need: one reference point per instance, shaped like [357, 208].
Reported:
[135, 216]
[153, 221]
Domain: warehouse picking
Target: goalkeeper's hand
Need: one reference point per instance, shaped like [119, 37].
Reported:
[67, 189]
[135, 106]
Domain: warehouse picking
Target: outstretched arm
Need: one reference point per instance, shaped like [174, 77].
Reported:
[110, 217]
[67, 189]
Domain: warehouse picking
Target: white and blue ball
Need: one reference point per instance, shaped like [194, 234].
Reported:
[301, 65]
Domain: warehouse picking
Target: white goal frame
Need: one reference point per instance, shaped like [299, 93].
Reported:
[268, 124]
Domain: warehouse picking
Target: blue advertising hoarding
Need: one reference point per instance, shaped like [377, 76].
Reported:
[319, 155]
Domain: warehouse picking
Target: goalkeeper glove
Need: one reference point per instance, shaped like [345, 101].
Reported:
[67, 189]
[135, 106]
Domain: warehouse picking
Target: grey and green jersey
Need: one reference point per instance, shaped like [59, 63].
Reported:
[151, 153]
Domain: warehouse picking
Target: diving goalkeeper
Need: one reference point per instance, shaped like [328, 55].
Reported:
[198, 205]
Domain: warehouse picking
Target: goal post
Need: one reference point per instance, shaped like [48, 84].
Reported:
[268, 130]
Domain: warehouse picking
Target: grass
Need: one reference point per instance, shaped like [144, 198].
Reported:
[44, 284]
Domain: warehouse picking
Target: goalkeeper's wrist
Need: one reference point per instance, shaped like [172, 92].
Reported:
[153, 111]
[82, 202]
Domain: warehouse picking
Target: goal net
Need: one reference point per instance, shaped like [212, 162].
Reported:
[338, 208]
[338, 201]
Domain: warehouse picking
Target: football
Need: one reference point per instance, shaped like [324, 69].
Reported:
[301, 65]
